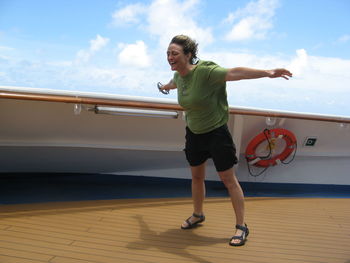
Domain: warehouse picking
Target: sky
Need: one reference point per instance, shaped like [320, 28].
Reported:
[119, 47]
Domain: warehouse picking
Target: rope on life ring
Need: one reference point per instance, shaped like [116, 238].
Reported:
[269, 160]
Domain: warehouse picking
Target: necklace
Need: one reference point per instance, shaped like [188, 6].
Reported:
[184, 89]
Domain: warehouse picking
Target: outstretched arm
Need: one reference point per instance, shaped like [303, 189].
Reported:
[240, 73]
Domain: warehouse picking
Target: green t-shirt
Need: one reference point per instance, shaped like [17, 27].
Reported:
[202, 93]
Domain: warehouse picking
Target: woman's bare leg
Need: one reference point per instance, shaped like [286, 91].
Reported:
[228, 177]
[198, 191]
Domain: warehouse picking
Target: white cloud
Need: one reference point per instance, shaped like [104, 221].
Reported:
[299, 64]
[254, 20]
[98, 43]
[129, 14]
[344, 39]
[165, 19]
[240, 59]
[84, 55]
[165, 22]
[4, 48]
[134, 55]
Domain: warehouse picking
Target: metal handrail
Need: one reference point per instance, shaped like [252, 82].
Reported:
[164, 106]
[136, 112]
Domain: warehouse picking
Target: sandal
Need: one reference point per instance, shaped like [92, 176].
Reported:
[192, 225]
[242, 237]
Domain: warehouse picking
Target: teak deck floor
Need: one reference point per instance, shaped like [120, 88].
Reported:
[147, 230]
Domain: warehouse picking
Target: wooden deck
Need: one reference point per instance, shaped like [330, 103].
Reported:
[148, 230]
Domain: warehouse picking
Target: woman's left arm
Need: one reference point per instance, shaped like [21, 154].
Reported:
[240, 73]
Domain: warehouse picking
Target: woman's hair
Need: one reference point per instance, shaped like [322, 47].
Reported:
[188, 45]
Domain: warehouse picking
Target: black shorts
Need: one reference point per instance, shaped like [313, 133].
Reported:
[216, 144]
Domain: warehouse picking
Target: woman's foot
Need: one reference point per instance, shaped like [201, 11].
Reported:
[241, 235]
[193, 221]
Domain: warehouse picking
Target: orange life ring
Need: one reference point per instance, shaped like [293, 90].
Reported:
[286, 135]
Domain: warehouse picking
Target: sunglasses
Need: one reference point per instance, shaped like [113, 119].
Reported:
[160, 86]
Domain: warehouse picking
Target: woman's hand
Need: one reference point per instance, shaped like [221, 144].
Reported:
[167, 87]
[280, 73]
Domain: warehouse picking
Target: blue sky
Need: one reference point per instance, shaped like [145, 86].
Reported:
[119, 47]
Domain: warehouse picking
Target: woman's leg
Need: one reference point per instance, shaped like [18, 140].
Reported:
[198, 191]
[228, 177]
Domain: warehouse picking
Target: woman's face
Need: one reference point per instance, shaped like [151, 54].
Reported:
[177, 59]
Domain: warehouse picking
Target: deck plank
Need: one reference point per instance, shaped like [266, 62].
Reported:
[11, 259]
[7, 249]
[69, 260]
[148, 230]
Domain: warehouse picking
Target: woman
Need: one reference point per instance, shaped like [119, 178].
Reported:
[201, 89]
